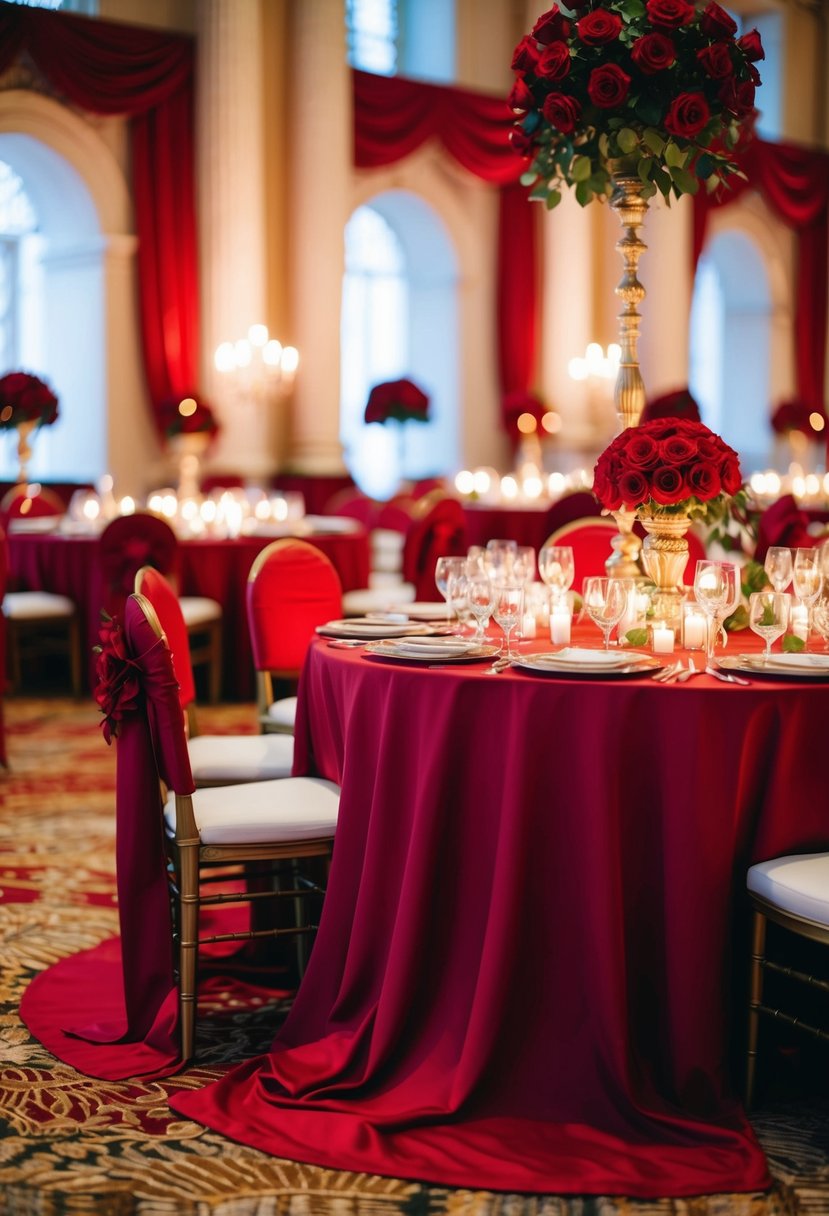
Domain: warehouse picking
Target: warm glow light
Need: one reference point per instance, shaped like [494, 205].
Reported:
[532, 487]
[189, 510]
[127, 505]
[272, 353]
[208, 511]
[817, 421]
[169, 506]
[258, 335]
[812, 484]
[225, 357]
[6, 413]
[577, 369]
[551, 422]
[290, 359]
[798, 486]
[262, 510]
[92, 508]
[482, 481]
[556, 484]
[773, 483]
[465, 482]
[243, 352]
[187, 407]
[155, 503]
[526, 424]
[509, 487]
[279, 506]
[757, 481]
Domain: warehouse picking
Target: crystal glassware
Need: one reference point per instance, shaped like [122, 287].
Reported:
[604, 602]
[556, 565]
[507, 606]
[778, 566]
[713, 589]
[479, 595]
[444, 567]
[768, 616]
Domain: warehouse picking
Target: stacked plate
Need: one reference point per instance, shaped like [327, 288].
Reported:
[785, 666]
[431, 649]
[359, 627]
[575, 660]
[424, 610]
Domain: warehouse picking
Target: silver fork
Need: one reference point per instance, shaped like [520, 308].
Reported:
[668, 674]
[726, 676]
[686, 675]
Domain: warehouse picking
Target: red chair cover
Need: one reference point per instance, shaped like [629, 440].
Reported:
[114, 1013]
[292, 588]
[30, 501]
[590, 542]
[441, 532]
[4, 577]
[354, 504]
[127, 544]
[164, 600]
[579, 505]
[783, 523]
[397, 513]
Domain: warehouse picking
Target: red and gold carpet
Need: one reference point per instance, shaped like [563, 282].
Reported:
[71, 1144]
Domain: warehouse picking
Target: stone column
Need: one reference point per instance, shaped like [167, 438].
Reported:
[320, 182]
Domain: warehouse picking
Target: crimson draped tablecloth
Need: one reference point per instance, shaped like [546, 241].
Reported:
[69, 565]
[523, 974]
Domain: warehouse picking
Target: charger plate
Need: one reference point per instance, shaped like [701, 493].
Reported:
[780, 667]
[361, 627]
[635, 665]
[399, 653]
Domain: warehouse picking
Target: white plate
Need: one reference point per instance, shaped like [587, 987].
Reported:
[636, 665]
[579, 656]
[38, 523]
[423, 610]
[359, 627]
[390, 649]
[800, 661]
[753, 665]
[430, 647]
[332, 523]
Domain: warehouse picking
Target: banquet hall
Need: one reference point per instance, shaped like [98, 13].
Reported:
[288, 278]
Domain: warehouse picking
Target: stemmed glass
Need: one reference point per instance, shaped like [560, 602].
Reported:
[457, 586]
[479, 596]
[444, 567]
[605, 600]
[500, 557]
[507, 607]
[807, 576]
[734, 591]
[556, 565]
[713, 590]
[768, 616]
[778, 566]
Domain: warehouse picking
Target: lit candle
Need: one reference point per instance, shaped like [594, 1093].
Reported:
[560, 624]
[663, 639]
[528, 625]
[694, 630]
[800, 621]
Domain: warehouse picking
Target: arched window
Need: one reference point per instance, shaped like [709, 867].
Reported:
[17, 223]
[730, 343]
[399, 318]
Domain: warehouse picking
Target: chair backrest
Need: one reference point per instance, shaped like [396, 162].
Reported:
[30, 501]
[580, 504]
[782, 523]
[590, 541]
[128, 543]
[160, 593]
[353, 503]
[292, 588]
[438, 531]
[4, 577]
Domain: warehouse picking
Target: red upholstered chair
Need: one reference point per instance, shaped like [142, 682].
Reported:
[590, 541]
[31, 502]
[292, 588]
[353, 503]
[214, 759]
[4, 573]
[783, 523]
[276, 822]
[143, 539]
[580, 504]
[439, 530]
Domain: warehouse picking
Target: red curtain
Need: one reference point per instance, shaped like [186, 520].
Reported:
[146, 75]
[393, 117]
[794, 182]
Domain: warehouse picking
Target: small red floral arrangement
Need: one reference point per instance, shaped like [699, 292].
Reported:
[118, 682]
[668, 466]
[798, 416]
[26, 398]
[400, 399]
[664, 83]
[186, 416]
[677, 404]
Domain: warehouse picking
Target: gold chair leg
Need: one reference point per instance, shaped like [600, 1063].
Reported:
[188, 921]
[758, 946]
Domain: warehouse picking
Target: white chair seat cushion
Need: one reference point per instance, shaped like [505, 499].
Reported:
[377, 599]
[386, 551]
[798, 884]
[264, 812]
[199, 610]
[34, 605]
[283, 712]
[234, 758]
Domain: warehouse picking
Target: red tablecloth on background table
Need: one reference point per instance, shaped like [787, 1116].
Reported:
[523, 979]
[69, 565]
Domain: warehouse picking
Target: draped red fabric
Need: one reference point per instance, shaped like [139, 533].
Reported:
[794, 182]
[110, 68]
[393, 117]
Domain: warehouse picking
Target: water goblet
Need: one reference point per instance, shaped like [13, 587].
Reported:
[778, 566]
[604, 601]
[556, 565]
[500, 557]
[507, 607]
[768, 616]
[457, 585]
[444, 566]
[807, 580]
[712, 593]
[479, 594]
[733, 595]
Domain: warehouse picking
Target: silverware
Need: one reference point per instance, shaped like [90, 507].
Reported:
[498, 666]
[726, 676]
[668, 674]
[686, 675]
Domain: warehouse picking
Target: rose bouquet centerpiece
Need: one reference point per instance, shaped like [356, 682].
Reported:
[401, 400]
[668, 472]
[796, 417]
[664, 85]
[189, 427]
[26, 403]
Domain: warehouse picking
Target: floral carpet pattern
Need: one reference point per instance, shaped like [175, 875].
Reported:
[72, 1144]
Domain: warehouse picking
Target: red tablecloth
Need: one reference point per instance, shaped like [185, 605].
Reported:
[219, 569]
[523, 976]
[524, 525]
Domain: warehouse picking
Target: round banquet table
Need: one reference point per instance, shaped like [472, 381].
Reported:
[534, 925]
[217, 568]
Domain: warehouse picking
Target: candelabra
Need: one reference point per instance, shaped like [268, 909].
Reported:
[258, 367]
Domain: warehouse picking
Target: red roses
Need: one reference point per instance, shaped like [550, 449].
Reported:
[662, 83]
[400, 399]
[669, 462]
[25, 398]
[118, 679]
[186, 416]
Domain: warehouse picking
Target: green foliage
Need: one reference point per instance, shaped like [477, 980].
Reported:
[792, 644]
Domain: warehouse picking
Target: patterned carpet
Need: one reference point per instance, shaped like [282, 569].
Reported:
[69, 1144]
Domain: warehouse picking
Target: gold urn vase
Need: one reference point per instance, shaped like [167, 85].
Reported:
[24, 449]
[664, 557]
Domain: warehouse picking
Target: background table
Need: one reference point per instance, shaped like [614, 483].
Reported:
[216, 568]
[523, 975]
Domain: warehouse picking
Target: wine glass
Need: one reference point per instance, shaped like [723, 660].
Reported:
[556, 565]
[605, 600]
[507, 607]
[712, 590]
[445, 566]
[733, 595]
[778, 566]
[479, 595]
[807, 579]
[457, 585]
[768, 616]
[500, 556]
